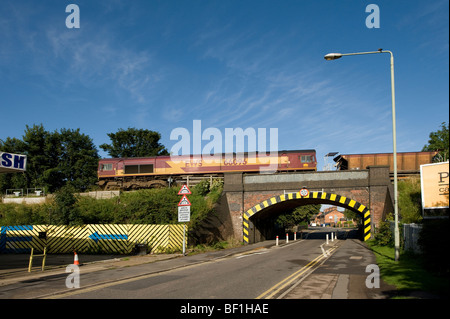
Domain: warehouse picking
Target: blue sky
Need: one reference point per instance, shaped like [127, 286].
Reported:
[160, 65]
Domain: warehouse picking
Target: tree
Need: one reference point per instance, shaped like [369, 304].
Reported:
[66, 212]
[297, 215]
[349, 214]
[42, 150]
[439, 140]
[78, 159]
[134, 143]
[54, 159]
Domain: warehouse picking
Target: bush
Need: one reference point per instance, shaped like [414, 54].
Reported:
[201, 188]
[66, 212]
[384, 236]
[409, 200]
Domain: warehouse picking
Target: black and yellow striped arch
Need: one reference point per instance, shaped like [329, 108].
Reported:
[330, 198]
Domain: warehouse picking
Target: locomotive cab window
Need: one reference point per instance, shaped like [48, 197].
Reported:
[307, 159]
[106, 167]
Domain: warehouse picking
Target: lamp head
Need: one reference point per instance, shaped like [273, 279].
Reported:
[332, 56]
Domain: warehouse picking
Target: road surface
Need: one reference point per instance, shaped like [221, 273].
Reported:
[303, 269]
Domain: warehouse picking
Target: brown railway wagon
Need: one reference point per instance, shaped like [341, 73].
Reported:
[407, 162]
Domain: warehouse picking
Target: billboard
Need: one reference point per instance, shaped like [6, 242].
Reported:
[10, 163]
[434, 185]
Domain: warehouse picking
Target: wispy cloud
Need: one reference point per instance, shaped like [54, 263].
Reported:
[93, 60]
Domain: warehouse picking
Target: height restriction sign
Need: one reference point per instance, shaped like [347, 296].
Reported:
[304, 192]
[184, 201]
[184, 190]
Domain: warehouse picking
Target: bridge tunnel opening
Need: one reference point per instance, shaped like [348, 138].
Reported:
[260, 221]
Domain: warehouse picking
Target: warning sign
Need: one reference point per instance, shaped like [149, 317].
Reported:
[184, 190]
[184, 201]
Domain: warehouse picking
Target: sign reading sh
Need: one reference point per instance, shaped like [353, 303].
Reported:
[12, 162]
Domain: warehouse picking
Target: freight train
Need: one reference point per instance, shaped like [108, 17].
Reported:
[153, 172]
[408, 163]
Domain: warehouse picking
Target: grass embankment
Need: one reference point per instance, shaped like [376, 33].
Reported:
[410, 274]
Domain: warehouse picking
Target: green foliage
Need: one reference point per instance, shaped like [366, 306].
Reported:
[134, 143]
[99, 211]
[409, 200]
[350, 214]
[54, 159]
[201, 188]
[18, 214]
[66, 210]
[384, 236]
[298, 215]
[439, 140]
[149, 206]
[409, 273]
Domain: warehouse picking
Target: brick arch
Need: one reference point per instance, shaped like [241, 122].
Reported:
[322, 197]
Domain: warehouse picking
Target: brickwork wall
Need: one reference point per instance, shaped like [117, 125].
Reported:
[373, 193]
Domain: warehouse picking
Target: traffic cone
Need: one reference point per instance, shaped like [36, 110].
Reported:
[75, 258]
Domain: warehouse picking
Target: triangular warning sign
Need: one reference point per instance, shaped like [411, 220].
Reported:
[184, 190]
[184, 201]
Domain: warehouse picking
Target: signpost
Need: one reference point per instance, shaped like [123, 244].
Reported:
[184, 212]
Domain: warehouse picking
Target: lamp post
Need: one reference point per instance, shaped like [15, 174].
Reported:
[334, 56]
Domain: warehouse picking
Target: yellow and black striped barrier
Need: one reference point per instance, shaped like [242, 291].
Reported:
[90, 238]
[328, 198]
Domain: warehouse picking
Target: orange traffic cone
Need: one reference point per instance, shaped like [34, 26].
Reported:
[75, 258]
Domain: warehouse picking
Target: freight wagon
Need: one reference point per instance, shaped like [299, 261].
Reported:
[150, 172]
[408, 163]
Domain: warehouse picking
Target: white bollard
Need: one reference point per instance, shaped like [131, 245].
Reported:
[332, 237]
[327, 239]
[287, 238]
[295, 236]
[276, 241]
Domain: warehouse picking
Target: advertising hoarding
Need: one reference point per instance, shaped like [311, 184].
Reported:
[434, 180]
[10, 163]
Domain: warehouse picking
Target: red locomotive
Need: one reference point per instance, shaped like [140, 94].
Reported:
[149, 172]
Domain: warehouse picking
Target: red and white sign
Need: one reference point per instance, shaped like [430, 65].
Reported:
[184, 201]
[184, 190]
[304, 192]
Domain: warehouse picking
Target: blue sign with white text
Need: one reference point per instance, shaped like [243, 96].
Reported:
[12, 162]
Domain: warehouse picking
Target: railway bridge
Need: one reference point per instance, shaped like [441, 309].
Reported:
[251, 202]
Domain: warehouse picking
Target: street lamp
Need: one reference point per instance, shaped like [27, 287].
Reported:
[335, 56]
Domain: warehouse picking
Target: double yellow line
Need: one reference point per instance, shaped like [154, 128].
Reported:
[269, 293]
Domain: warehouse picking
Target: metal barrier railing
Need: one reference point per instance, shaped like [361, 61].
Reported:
[30, 265]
